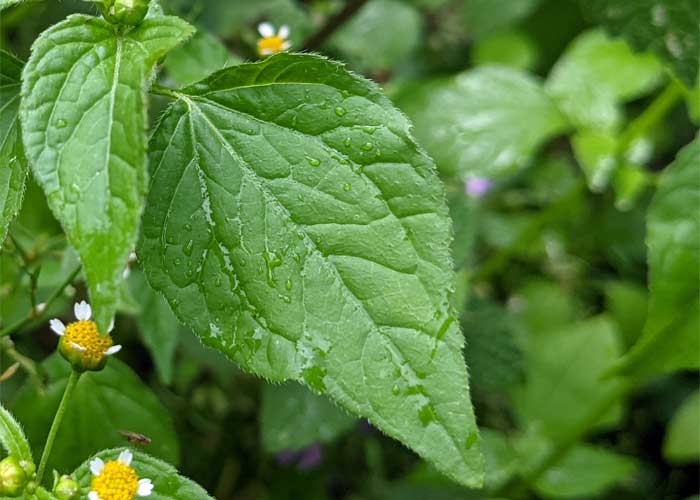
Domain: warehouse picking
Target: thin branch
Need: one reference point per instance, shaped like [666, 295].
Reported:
[333, 23]
[35, 315]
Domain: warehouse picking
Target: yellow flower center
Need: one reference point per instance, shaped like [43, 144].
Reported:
[270, 45]
[84, 333]
[116, 482]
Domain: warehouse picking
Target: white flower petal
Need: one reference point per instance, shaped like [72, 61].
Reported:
[111, 326]
[93, 496]
[113, 350]
[145, 487]
[266, 52]
[266, 30]
[126, 272]
[96, 466]
[286, 45]
[57, 326]
[283, 32]
[78, 347]
[125, 457]
[82, 310]
[132, 257]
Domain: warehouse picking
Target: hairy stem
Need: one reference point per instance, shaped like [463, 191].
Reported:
[58, 417]
[333, 23]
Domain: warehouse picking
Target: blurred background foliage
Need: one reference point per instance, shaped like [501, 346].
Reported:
[550, 133]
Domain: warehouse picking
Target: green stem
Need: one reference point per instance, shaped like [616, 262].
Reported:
[34, 317]
[165, 91]
[58, 417]
[638, 127]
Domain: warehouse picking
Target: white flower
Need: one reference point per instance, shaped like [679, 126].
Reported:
[117, 480]
[82, 337]
[271, 42]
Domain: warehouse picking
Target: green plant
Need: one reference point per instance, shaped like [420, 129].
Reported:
[283, 211]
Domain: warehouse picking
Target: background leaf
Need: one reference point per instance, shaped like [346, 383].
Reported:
[198, 57]
[293, 224]
[563, 370]
[13, 164]
[158, 326]
[485, 122]
[682, 441]
[666, 27]
[596, 74]
[103, 404]
[585, 472]
[84, 125]
[367, 42]
[292, 417]
[670, 341]
[167, 483]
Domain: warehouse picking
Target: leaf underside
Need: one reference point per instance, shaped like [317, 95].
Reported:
[293, 223]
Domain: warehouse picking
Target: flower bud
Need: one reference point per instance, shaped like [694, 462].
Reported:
[13, 479]
[129, 12]
[67, 488]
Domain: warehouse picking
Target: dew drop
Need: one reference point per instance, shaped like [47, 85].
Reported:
[340, 111]
[347, 142]
[187, 249]
[367, 146]
[314, 162]
[171, 239]
[178, 261]
[288, 284]
[346, 187]
[61, 123]
[188, 227]
[396, 390]
[471, 439]
[426, 415]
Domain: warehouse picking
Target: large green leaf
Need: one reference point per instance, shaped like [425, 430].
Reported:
[596, 74]
[563, 370]
[295, 225]
[84, 125]
[167, 483]
[671, 340]
[103, 404]
[484, 122]
[13, 164]
[292, 417]
[682, 441]
[666, 27]
[12, 437]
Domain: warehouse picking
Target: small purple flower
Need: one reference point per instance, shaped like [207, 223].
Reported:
[305, 459]
[477, 186]
[311, 457]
